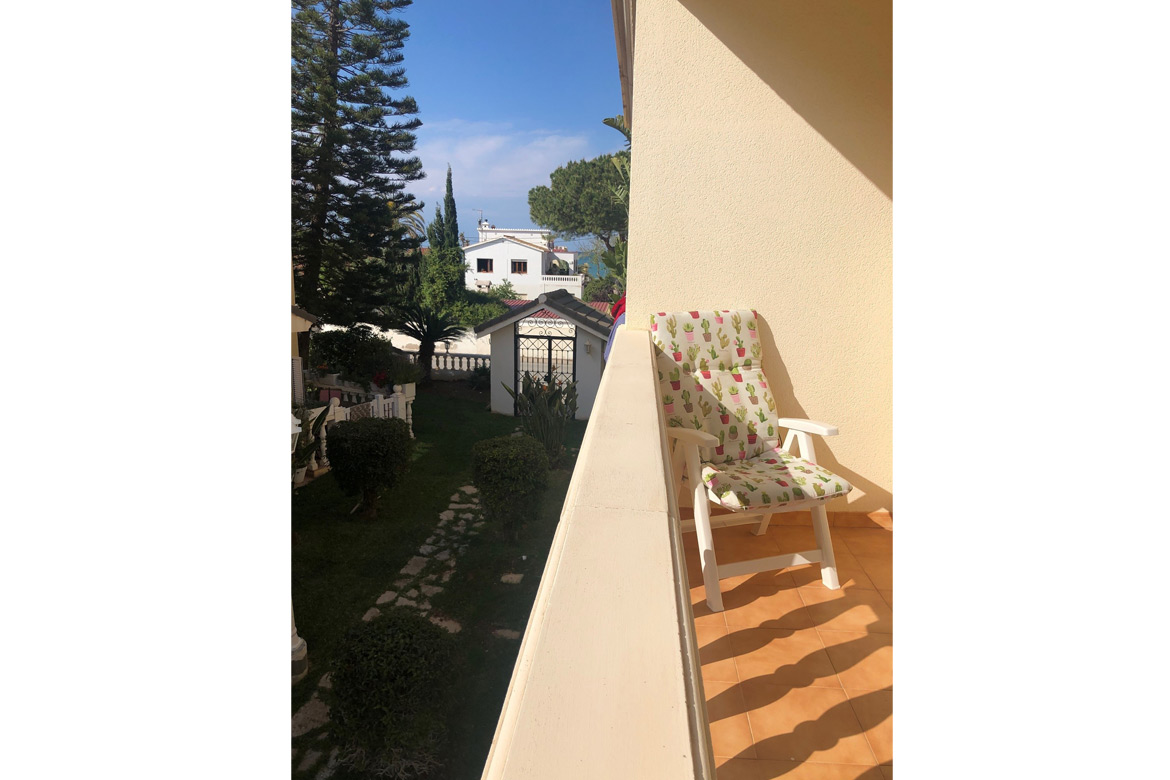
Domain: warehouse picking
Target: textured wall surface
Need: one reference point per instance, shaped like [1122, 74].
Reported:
[762, 179]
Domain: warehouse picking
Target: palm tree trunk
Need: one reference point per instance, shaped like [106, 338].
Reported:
[426, 351]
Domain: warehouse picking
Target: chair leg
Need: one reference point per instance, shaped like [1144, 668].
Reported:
[763, 526]
[707, 553]
[703, 530]
[820, 521]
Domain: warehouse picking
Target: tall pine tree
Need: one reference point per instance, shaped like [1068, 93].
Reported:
[352, 146]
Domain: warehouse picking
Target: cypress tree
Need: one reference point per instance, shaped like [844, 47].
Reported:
[436, 231]
[450, 220]
[352, 146]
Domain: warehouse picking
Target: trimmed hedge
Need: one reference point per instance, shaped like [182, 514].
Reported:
[511, 473]
[369, 455]
[392, 683]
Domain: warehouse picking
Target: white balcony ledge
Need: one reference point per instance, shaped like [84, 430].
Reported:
[606, 683]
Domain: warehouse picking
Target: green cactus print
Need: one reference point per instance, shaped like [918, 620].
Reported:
[771, 430]
[704, 365]
[705, 408]
[674, 348]
[723, 341]
[765, 498]
[736, 322]
[674, 375]
[752, 427]
[741, 414]
[784, 497]
[797, 493]
[688, 327]
[692, 353]
[760, 413]
[751, 326]
[667, 400]
[686, 396]
[733, 433]
[751, 488]
[714, 354]
[738, 343]
[770, 402]
[696, 423]
[717, 389]
[676, 422]
[751, 389]
[800, 480]
[705, 325]
[820, 490]
[672, 327]
[720, 437]
[756, 350]
[837, 487]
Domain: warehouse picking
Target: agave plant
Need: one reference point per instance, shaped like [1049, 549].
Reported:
[310, 433]
[544, 410]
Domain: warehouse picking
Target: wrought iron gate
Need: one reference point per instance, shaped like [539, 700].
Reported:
[546, 354]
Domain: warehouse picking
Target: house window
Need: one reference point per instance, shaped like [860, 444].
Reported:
[519, 266]
[483, 265]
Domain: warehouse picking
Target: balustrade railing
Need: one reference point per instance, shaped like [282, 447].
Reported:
[458, 362]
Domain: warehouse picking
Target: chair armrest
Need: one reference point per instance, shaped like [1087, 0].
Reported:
[808, 426]
[693, 436]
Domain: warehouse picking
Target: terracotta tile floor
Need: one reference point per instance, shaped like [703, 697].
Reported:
[799, 678]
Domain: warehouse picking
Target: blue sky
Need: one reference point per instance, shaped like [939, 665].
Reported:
[508, 91]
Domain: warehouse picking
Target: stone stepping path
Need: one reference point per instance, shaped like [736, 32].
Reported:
[419, 580]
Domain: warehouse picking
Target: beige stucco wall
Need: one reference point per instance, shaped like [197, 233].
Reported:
[762, 179]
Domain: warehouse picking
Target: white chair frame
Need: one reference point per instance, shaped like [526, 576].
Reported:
[685, 462]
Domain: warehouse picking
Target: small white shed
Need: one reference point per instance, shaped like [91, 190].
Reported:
[554, 337]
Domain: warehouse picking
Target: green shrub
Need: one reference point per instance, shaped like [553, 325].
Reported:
[359, 355]
[392, 681]
[401, 372]
[481, 378]
[511, 473]
[601, 288]
[369, 455]
[544, 411]
[475, 308]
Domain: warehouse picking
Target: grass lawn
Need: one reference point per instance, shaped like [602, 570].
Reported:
[341, 564]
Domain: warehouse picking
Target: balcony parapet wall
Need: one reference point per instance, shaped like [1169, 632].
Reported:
[606, 683]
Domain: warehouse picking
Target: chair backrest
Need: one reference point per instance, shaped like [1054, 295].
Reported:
[710, 377]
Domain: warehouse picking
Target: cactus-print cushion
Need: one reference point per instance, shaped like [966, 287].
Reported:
[710, 378]
[773, 480]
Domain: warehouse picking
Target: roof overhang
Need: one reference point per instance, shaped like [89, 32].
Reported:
[302, 320]
[623, 33]
[543, 301]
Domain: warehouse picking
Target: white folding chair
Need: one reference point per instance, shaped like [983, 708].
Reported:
[727, 451]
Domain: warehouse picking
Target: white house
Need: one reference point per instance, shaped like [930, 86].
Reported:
[525, 257]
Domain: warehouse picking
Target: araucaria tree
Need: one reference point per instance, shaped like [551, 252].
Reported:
[352, 157]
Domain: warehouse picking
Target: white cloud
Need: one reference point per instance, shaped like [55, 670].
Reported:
[490, 159]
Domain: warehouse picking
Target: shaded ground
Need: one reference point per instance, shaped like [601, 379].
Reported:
[341, 565]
